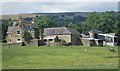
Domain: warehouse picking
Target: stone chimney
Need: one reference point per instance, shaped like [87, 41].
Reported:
[30, 25]
[20, 19]
[91, 34]
[33, 21]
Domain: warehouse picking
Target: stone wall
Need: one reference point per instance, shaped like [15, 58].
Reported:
[14, 38]
[75, 40]
[67, 38]
[85, 42]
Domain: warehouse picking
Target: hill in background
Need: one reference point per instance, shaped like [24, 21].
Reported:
[61, 18]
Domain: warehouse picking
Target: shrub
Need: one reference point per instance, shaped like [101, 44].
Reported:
[62, 41]
[27, 36]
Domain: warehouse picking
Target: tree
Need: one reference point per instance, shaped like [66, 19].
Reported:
[80, 27]
[108, 22]
[45, 22]
[5, 24]
[27, 37]
[104, 21]
[62, 41]
[118, 30]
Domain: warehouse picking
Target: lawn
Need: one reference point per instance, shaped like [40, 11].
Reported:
[59, 57]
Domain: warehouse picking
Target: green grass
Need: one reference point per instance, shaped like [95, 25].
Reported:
[59, 57]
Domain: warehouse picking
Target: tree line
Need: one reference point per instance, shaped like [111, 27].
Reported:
[108, 22]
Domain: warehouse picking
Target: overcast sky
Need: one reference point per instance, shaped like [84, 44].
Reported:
[60, 0]
[55, 7]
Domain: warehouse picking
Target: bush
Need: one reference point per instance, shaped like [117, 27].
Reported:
[62, 41]
[27, 37]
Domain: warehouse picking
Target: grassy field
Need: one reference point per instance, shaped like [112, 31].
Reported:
[59, 57]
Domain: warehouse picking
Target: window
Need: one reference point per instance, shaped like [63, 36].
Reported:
[32, 31]
[18, 40]
[18, 32]
[96, 36]
[45, 40]
[9, 41]
[50, 39]
[109, 39]
[115, 39]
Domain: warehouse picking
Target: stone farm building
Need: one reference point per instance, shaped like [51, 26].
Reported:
[16, 31]
[91, 38]
[68, 34]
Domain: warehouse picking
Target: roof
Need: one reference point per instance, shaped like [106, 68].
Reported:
[50, 37]
[94, 31]
[11, 29]
[59, 31]
[108, 35]
[83, 35]
[111, 34]
[28, 19]
[27, 28]
[26, 23]
[34, 26]
[91, 39]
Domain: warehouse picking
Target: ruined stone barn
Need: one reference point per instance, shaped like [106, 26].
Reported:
[91, 38]
[70, 35]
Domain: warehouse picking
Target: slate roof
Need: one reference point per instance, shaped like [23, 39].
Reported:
[34, 26]
[59, 31]
[27, 28]
[27, 23]
[28, 19]
[11, 29]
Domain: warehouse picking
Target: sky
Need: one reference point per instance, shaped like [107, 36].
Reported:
[47, 6]
[60, 0]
